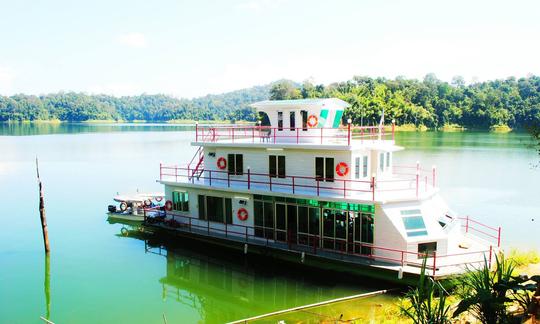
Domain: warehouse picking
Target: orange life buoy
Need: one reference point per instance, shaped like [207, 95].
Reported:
[242, 214]
[168, 205]
[312, 121]
[342, 169]
[221, 163]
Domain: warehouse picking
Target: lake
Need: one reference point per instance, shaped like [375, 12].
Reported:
[99, 276]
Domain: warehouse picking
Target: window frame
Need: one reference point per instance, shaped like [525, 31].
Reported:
[226, 207]
[357, 167]
[280, 121]
[235, 164]
[292, 121]
[304, 115]
[327, 172]
[365, 161]
[180, 200]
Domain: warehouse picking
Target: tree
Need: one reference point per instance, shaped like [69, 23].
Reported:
[283, 90]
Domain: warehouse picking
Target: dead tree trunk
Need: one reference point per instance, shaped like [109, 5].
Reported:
[42, 212]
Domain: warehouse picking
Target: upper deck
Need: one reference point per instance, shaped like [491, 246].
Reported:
[343, 138]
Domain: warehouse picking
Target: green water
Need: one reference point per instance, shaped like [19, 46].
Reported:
[98, 276]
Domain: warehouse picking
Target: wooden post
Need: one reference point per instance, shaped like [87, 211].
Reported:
[42, 212]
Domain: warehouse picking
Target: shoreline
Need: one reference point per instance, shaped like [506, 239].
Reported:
[451, 128]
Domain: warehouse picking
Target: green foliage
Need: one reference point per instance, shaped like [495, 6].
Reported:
[484, 293]
[431, 102]
[523, 258]
[77, 107]
[425, 307]
[285, 89]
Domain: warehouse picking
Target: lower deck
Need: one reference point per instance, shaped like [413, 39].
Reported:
[363, 259]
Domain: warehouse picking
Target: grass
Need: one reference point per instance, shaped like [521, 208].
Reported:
[523, 258]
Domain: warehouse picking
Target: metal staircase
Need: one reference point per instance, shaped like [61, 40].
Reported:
[196, 165]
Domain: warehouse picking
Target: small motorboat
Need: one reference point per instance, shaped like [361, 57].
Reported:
[131, 207]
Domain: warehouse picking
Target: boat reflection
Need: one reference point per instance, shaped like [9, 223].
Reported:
[224, 285]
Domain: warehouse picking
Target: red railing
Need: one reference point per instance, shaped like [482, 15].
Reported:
[488, 232]
[268, 134]
[408, 184]
[304, 242]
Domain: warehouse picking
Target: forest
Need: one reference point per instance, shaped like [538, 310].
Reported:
[433, 103]
[429, 102]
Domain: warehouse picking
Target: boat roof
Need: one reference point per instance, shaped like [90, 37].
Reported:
[138, 197]
[314, 103]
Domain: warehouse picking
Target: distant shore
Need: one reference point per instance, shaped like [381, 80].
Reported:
[449, 128]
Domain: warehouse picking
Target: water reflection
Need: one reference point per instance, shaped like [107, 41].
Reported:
[224, 285]
[47, 286]
[26, 129]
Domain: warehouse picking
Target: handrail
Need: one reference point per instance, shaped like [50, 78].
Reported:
[341, 187]
[316, 242]
[486, 230]
[267, 134]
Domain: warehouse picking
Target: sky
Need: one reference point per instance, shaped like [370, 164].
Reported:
[192, 48]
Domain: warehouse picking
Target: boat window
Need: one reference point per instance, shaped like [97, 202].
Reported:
[180, 201]
[413, 222]
[228, 211]
[304, 119]
[314, 216]
[381, 161]
[365, 166]
[329, 168]
[387, 159]
[215, 209]
[324, 169]
[235, 164]
[202, 205]
[426, 249]
[292, 120]
[276, 166]
[258, 216]
[319, 168]
[280, 120]
[281, 166]
[272, 166]
[357, 168]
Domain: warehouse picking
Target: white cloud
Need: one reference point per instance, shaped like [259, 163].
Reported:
[6, 80]
[136, 40]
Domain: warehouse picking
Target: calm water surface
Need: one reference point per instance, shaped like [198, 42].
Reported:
[98, 276]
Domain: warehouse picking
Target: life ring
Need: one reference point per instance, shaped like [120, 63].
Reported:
[124, 231]
[312, 121]
[123, 206]
[168, 205]
[242, 214]
[147, 203]
[342, 169]
[221, 163]
[159, 198]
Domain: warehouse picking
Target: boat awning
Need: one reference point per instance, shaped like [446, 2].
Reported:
[138, 197]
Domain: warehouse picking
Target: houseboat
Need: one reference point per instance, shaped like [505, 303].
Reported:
[305, 187]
